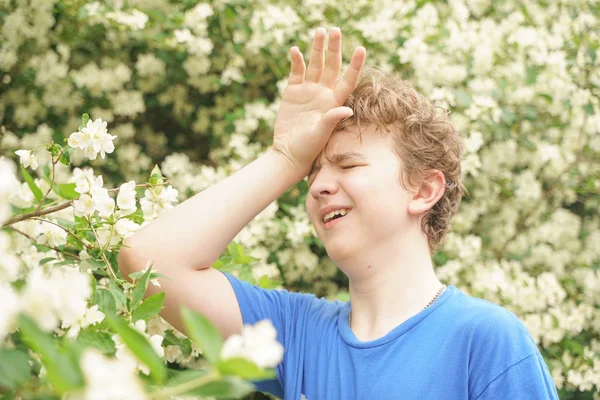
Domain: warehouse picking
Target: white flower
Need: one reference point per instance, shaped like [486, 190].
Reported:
[96, 188]
[9, 308]
[173, 353]
[124, 354]
[126, 198]
[152, 281]
[52, 235]
[134, 19]
[83, 179]
[156, 342]
[92, 316]
[257, 343]
[93, 138]
[126, 227]
[106, 235]
[84, 206]
[27, 158]
[105, 205]
[169, 195]
[108, 379]
[183, 35]
[152, 204]
[22, 196]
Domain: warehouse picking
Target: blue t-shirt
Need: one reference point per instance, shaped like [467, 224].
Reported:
[460, 347]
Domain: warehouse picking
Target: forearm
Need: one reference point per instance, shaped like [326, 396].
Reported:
[196, 232]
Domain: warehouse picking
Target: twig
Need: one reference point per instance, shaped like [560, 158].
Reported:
[53, 248]
[184, 387]
[38, 213]
[52, 180]
[49, 210]
[63, 228]
[108, 266]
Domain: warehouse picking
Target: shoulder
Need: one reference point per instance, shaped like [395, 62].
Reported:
[491, 328]
[498, 347]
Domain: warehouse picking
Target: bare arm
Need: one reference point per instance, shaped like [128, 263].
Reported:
[196, 232]
[186, 240]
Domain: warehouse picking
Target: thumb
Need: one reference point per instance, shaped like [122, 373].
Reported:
[332, 117]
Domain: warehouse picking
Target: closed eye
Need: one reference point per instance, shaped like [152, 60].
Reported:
[349, 166]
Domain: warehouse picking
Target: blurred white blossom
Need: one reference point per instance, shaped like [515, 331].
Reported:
[257, 343]
[109, 378]
[27, 159]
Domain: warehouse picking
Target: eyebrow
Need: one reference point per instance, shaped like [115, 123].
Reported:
[338, 158]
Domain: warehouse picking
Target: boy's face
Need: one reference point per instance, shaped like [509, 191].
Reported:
[367, 183]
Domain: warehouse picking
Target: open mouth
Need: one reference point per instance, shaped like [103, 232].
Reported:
[335, 220]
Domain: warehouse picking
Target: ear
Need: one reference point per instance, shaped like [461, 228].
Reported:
[432, 188]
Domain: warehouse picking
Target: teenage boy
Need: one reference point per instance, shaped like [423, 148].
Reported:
[383, 188]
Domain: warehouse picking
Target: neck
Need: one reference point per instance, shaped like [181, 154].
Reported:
[389, 285]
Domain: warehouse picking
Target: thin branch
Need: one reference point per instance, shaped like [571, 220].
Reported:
[108, 266]
[52, 181]
[53, 248]
[49, 210]
[38, 213]
[185, 386]
[63, 228]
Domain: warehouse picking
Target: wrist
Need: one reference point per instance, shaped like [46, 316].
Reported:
[289, 167]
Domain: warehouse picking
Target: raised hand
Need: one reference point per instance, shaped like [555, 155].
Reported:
[311, 104]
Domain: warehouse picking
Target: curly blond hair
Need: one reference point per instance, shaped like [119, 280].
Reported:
[423, 137]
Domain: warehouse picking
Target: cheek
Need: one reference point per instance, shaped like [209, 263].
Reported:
[310, 205]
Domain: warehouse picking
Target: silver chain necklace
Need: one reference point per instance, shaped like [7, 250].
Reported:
[439, 293]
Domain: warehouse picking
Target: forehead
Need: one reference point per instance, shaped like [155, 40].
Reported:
[349, 145]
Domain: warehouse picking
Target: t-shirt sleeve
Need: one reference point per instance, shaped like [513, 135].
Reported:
[528, 379]
[504, 360]
[285, 309]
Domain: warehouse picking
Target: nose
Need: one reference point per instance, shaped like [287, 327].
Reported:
[324, 184]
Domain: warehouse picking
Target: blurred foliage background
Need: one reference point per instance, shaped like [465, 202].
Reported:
[194, 87]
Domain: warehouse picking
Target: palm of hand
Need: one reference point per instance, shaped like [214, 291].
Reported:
[310, 106]
[302, 107]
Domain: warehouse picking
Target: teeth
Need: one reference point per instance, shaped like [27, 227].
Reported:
[330, 215]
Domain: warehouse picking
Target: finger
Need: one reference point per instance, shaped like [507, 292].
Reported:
[346, 85]
[315, 65]
[298, 68]
[332, 118]
[333, 64]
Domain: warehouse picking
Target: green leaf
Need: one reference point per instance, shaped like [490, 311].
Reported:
[65, 158]
[138, 274]
[244, 369]
[118, 295]
[140, 288]
[46, 260]
[62, 366]
[226, 387]
[14, 368]
[101, 340]
[139, 345]
[67, 190]
[233, 250]
[156, 176]
[149, 307]
[55, 149]
[183, 343]
[246, 259]
[105, 301]
[96, 263]
[266, 283]
[203, 333]
[34, 188]
[84, 119]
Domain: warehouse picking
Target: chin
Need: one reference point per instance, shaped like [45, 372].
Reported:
[340, 251]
